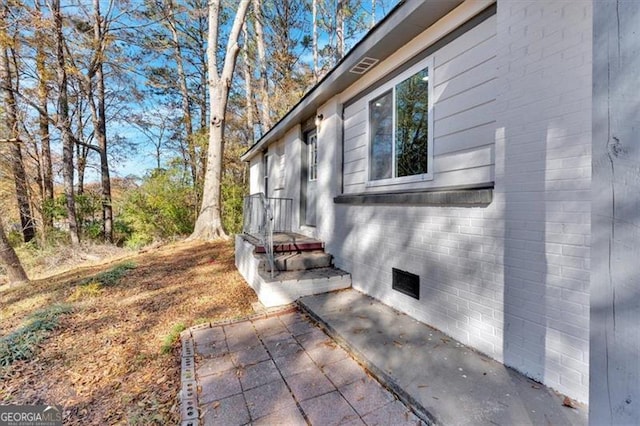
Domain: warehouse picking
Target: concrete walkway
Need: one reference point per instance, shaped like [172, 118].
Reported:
[282, 369]
[444, 381]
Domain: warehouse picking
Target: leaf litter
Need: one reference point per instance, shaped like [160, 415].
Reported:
[103, 361]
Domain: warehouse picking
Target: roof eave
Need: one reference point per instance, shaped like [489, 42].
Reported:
[393, 31]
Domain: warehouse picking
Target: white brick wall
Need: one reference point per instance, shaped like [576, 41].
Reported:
[544, 123]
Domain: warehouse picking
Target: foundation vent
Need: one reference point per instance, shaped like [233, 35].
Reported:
[406, 283]
[364, 65]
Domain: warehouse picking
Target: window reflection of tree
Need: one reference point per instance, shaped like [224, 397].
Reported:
[381, 119]
[412, 110]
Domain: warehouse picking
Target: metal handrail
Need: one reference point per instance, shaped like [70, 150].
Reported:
[262, 217]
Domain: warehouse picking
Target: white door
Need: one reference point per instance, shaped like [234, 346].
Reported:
[311, 178]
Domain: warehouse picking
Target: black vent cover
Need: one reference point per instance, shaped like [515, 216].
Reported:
[406, 282]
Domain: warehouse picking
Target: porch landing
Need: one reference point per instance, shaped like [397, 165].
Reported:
[444, 381]
[287, 241]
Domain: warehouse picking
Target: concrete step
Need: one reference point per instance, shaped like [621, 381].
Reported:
[298, 261]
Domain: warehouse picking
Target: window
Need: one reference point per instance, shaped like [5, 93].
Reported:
[313, 156]
[400, 129]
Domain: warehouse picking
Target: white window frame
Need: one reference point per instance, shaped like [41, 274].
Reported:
[427, 63]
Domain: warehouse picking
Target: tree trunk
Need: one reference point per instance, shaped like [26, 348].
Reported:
[100, 127]
[373, 14]
[248, 93]
[82, 153]
[314, 41]
[340, 31]
[65, 127]
[46, 169]
[184, 92]
[209, 223]
[265, 116]
[11, 114]
[10, 260]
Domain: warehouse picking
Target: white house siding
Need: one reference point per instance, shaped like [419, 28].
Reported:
[510, 279]
[464, 120]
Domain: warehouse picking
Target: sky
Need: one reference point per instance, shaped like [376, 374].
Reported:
[143, 160]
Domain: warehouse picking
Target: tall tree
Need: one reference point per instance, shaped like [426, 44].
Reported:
[265, 110]
[46, 168]
[340, 45]
[13, 124]
[248, 81]
[97, 103]
[65, 123]
[314, 39]
[170, 19]
[209, 222]
[10, 260]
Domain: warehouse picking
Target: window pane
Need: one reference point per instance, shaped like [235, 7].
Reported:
[412, 112]
[381, 121]
[313, 156]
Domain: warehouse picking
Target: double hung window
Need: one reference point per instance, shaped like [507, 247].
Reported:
[400, 128]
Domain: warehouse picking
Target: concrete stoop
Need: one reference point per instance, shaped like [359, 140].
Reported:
[444, 381]
[298, 273]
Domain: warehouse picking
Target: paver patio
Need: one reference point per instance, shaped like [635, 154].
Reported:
[280, 370]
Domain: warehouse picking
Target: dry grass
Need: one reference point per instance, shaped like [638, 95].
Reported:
[104, 362]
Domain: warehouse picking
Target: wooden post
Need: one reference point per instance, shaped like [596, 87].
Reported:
[614, 391]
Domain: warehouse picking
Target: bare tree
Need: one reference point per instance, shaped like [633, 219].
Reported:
[65, 124]
[97, 103]
[209, 222]
[170, 19]
[265, 111]
[46, 167]
[248, 81]
[314, 39]
[340, 45]
[12, 123]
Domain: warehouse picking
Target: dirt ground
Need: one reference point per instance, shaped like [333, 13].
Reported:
[104, 363]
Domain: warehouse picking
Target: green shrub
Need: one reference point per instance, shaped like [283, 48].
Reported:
[23, 343]
[232, 203]
[162, 207]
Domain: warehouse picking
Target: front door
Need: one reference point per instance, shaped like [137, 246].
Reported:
[311, 142]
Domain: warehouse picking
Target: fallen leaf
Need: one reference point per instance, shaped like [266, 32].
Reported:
[215, 405]
[568, 402]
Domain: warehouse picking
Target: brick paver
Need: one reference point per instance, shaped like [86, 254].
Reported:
[282, 370]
